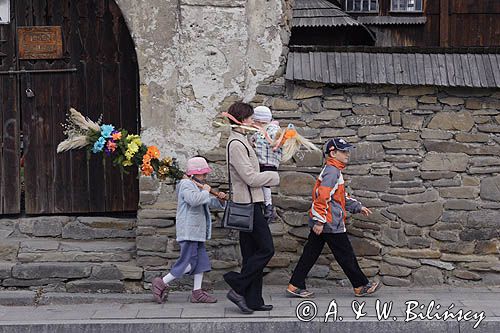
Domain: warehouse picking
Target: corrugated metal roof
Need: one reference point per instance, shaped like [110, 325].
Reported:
[390, 20]
[438, 69]
[320, 13]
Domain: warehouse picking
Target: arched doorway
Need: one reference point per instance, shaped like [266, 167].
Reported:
[96, 73]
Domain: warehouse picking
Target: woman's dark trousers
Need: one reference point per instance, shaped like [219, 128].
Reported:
[256, 249]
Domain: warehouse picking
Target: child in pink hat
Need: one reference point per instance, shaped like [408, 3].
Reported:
[193, 229]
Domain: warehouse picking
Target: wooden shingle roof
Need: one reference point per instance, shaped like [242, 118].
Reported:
[320, 13]
[437, 69]
[392, 20]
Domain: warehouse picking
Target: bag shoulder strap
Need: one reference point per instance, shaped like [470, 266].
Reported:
[229, 169]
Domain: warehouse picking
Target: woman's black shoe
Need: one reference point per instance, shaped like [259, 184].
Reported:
[239, 301]
[265, 307]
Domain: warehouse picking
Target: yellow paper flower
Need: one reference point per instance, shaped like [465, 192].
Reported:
[129, 155]
[132, 137]
[134, 140]
[132, 147]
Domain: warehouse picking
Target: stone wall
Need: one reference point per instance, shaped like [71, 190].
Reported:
[66, 253]
[426, 161]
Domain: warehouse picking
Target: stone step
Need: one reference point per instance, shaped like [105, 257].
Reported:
[243, 325]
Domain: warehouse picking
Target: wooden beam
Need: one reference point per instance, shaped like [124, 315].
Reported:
[444, 23]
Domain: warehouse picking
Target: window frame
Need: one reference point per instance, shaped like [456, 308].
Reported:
[405, 11]
[363, 11]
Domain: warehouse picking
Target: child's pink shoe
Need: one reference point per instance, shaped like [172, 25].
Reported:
[159, 289]
[201, 296]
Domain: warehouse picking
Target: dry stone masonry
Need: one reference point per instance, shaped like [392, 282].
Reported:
[75, 254]
[427, 161]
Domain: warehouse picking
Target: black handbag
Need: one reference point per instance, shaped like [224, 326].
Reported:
[237, 216]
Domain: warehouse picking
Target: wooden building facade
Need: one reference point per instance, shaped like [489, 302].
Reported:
[448, 43]
[421, 23]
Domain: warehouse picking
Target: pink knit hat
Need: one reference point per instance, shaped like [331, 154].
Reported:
[197, 166]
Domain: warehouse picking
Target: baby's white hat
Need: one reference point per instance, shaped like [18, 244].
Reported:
[262, 113]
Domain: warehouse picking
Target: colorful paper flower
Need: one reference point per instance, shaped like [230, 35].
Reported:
[153, 152]
[129, 155]
[167, 161]
[116, 135]
[98, 145]
[135, 139]
[106, 131]
[147, 169]
[111, 146]
[133, 148]
[163, 172]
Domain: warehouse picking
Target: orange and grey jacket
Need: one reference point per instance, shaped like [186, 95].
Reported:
[330, 201]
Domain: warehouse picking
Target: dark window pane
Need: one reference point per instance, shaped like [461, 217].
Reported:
[361, 5]
[365, 6]
[395, 5]
[357, 5]
[406, 5]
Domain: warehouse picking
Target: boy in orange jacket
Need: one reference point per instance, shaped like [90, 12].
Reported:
[327, 222]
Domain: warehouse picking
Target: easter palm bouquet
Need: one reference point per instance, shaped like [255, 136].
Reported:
[125, 149]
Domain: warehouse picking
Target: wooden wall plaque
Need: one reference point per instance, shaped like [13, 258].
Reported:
[43, 42]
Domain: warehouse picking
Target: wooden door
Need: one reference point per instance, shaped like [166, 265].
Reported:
[9, 121]
[97, 75]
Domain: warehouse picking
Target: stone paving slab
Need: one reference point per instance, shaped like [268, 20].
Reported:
[116, 312]
[159, 313]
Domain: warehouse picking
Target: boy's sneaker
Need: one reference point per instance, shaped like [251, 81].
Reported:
[269, 213]
[297, 292]
[368, 289]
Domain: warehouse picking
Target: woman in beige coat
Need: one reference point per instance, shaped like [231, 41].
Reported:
[257, 246]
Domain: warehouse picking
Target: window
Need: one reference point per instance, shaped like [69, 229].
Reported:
[406, 5]
[4, 11]
[361, 5]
